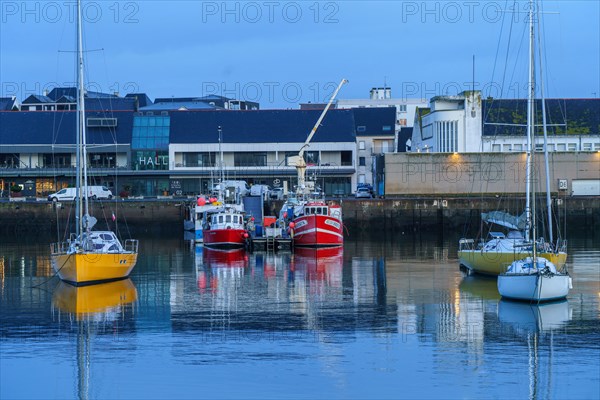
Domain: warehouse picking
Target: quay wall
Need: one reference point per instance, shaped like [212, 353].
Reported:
[400, 214]
[423, 174]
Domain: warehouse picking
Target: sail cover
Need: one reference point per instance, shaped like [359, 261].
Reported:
[505, 219]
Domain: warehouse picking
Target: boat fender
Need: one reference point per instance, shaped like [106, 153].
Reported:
[228, 226]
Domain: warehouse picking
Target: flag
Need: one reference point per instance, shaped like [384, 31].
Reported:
[114, 217]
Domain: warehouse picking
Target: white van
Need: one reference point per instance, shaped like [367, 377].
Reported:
[94, 192]
[240, 186]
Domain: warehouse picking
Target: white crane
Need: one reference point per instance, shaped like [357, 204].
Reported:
[298, 161]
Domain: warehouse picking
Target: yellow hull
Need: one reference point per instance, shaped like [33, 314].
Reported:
[88, 268]
[495, 263]
[94, 298]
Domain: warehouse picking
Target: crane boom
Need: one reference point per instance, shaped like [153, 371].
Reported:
[298, 161]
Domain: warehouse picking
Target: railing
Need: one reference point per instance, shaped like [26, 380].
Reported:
[131, 245]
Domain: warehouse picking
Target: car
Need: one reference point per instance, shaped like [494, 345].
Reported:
[362, 192]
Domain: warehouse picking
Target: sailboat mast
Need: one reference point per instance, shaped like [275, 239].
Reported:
[530, 108]
[545, 127]
[221, 188]
[79, 118]
[83, 160]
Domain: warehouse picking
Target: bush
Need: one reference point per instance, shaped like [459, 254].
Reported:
[15, 188]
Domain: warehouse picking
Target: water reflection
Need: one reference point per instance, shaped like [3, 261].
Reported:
[537, 326]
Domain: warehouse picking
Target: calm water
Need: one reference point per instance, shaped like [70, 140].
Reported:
[382, 319]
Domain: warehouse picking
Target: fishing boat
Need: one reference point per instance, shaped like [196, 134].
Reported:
[89, 256]
[534, 278]
[224, 226]
[499, 250]
[310, 220]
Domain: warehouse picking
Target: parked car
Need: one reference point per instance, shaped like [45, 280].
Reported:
[363, 192]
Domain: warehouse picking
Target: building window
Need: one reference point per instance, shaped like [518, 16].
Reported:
[361, 128]
[362, 161]
[362, 178]
[572, 146]
[447, 136]
[199, 159]
[402, 107]
[561, 147]
[102, 160]
[150, 132]
[496, 148]
[361, 145]
[101, 122]
[311, 157]
[346, 158]
[507, 147]
[250, 159]
[57, 160]
[587, 147]
[518, 147]
[150, 160]
[386, 128]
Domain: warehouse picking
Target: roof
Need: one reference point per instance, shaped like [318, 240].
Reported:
[370, 121]
[178, 105]
[8, 103]
[58, 92]
[261, 126]
[58, 127]
[581, 116]
[37, 99]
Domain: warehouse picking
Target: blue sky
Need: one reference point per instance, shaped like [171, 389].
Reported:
[284, 52]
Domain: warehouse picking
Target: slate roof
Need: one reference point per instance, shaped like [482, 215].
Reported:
[7, 103]
[373, 119]
[58, 127]
[261, 126]
[37, 99]
[581, 116]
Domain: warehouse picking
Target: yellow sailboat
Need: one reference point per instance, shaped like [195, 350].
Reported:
[88, 256]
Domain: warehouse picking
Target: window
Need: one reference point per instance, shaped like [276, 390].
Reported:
[361, 145]
[56, 160]
[362, 161]
[587, 147]
[402, 107]
[386, 128]
[518, 147]
[346, 158]
[250, 159]
[101, 122]
[199, 159]
[572, 146]
[495, 148]
[362, 178]
[150, 132]
[506, 147]
[361, 128]
[561, 147]
[311, 157]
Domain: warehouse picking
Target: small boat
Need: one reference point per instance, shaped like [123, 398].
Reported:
[310, 220]
[88, 256]
[314, 223]
[534, 279]
[225, 227]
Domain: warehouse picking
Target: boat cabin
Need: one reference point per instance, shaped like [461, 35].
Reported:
[225, 220]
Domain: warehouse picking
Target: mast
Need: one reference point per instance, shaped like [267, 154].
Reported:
[545, 127]
[221, 188]
[80, 118]
[530, 129]
[82, 123]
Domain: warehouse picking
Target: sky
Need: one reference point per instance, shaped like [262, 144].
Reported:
[280, 53]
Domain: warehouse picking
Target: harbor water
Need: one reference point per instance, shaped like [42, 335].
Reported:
[390, 317]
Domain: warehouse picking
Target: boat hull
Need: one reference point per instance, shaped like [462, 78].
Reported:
[90, 268]
[224, 238]
[496, 263]
[318, 230]
[534, 287]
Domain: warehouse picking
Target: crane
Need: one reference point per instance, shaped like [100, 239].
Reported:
[298, 161]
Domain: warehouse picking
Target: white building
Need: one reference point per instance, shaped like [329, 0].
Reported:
[465, 123]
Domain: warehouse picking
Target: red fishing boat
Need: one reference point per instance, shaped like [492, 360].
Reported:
[317, 224]
[225, 228]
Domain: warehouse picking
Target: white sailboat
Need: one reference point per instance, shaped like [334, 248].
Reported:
[493, 255]
[534, 278]
[88, 256]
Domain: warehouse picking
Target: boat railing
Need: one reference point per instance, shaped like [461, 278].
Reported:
[131, 245]
[59, 248]
[466, 244]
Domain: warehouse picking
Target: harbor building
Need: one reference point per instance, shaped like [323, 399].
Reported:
[466, 123]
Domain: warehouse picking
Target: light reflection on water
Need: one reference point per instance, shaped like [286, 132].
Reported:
[382, 319]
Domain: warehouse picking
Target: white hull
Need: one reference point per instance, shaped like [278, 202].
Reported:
[534, 287]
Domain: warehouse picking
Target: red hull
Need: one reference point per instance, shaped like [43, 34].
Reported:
[224, 238]
[318, 230]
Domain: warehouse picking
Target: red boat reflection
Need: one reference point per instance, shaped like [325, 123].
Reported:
[220, 267]
[319, 263]
[215, 258]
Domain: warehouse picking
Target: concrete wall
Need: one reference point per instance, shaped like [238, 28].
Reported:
[475, 173]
